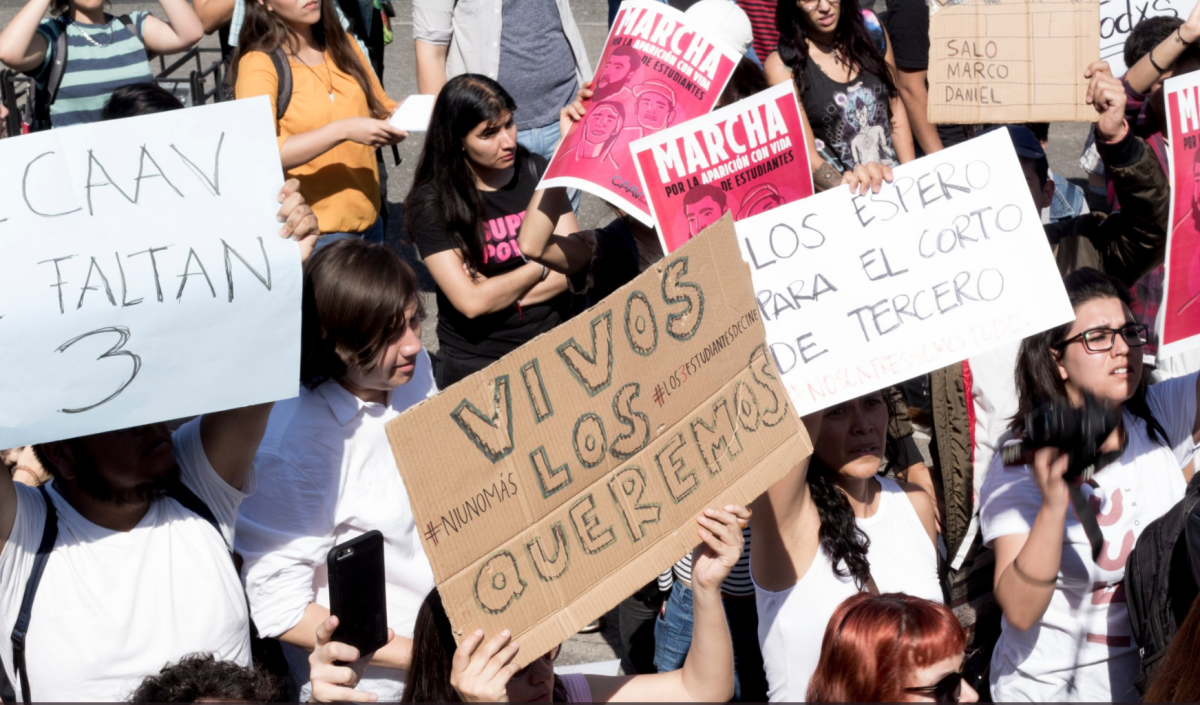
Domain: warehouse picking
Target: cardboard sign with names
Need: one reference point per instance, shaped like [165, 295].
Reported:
[1002, 61]
[551, 485]
[144, 275]
[657, 70]
[862, 292]
[1178, 322]
[746, 158]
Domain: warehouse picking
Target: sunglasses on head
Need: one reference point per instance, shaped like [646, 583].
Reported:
[949, 688]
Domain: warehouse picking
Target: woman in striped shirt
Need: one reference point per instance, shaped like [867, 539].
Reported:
[103, 52]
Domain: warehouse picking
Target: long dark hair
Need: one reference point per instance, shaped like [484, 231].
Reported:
[841, 539]
[265, 31]
[850, 36]
[1037, 377]
[433, 648]
[444, 183]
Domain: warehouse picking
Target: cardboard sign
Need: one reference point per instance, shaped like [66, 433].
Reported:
[862, 292]
[1004, 61]
[1178, 319]
[554, 483]
[1119, 17]
[657, 70]
[746, 158]
[144, 276]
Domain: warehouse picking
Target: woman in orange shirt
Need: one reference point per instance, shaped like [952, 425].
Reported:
[338, 112]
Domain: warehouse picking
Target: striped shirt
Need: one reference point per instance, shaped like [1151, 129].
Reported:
[738, 584]
[762, 22]
[93, 72]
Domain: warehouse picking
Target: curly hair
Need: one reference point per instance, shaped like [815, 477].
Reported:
[202, 677]
[841, 538]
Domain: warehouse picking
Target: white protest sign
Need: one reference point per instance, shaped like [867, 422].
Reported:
[861, 292]
[1119, 17]
[144, 276]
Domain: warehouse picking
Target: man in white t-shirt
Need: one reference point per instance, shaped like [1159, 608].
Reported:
[135, 579]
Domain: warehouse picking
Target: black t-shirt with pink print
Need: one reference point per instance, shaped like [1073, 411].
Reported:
[492, 336]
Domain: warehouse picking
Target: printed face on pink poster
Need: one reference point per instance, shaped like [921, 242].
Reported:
[746, 158]
[1181, 298]
[656, 72]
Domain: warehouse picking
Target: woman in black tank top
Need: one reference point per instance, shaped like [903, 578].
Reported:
[841, 62]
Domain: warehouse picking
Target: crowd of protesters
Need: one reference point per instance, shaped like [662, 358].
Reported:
[187, 563]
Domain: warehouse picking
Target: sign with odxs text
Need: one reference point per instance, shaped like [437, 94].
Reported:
[144, 276]
[862, 292]
[745, 159]
[551, 485]
[657, 70]
[1178, 322]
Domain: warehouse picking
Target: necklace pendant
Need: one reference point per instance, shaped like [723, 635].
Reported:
[331, 96]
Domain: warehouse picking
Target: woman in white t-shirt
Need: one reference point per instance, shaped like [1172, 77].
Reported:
[326, 473]
[831, 529]
[1066, 633]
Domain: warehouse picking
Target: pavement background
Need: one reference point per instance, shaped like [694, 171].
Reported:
[399, 80]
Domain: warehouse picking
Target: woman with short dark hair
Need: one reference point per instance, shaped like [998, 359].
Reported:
[326, 473]
[1065, 633]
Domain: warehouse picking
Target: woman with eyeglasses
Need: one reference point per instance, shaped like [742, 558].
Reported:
[1065, 633]
[481, 669]
[892, 648]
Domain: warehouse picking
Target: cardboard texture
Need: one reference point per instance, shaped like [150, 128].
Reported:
[859, 293]
[554, 483]
[1178, 322]
[657, 70]
[141, 256]
[1011, 60]
[745, 159]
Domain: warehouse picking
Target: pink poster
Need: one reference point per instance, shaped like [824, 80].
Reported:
[745, 158]
[656, 71]
[1179, 317]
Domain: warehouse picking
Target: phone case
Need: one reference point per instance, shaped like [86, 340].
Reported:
[357, 592]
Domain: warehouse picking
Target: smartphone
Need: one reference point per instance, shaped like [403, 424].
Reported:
[357, 592]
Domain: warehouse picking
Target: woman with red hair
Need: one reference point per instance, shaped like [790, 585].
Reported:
[891, 648]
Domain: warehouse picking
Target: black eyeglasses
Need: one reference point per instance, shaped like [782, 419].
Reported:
[949, 688]
[550, 656]
[1103, 339]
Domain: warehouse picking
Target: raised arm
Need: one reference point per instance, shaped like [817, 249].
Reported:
[214, 14]
[180, 32]
[1142, 76]
[1133, 241]
[22, 47]
[707, 674]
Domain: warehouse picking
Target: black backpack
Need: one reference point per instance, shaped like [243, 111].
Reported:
[1161, 582]
[43, 96]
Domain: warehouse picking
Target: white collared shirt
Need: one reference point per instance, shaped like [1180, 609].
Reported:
[326, 475]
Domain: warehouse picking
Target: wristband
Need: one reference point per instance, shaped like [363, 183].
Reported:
[545, 273]
[1179, 34]
[1155, 63]
[1031, 580]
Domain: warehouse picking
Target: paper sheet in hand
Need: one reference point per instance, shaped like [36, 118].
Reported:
[414, 113]
[862, 292]
[551, 485]
[145, 278]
